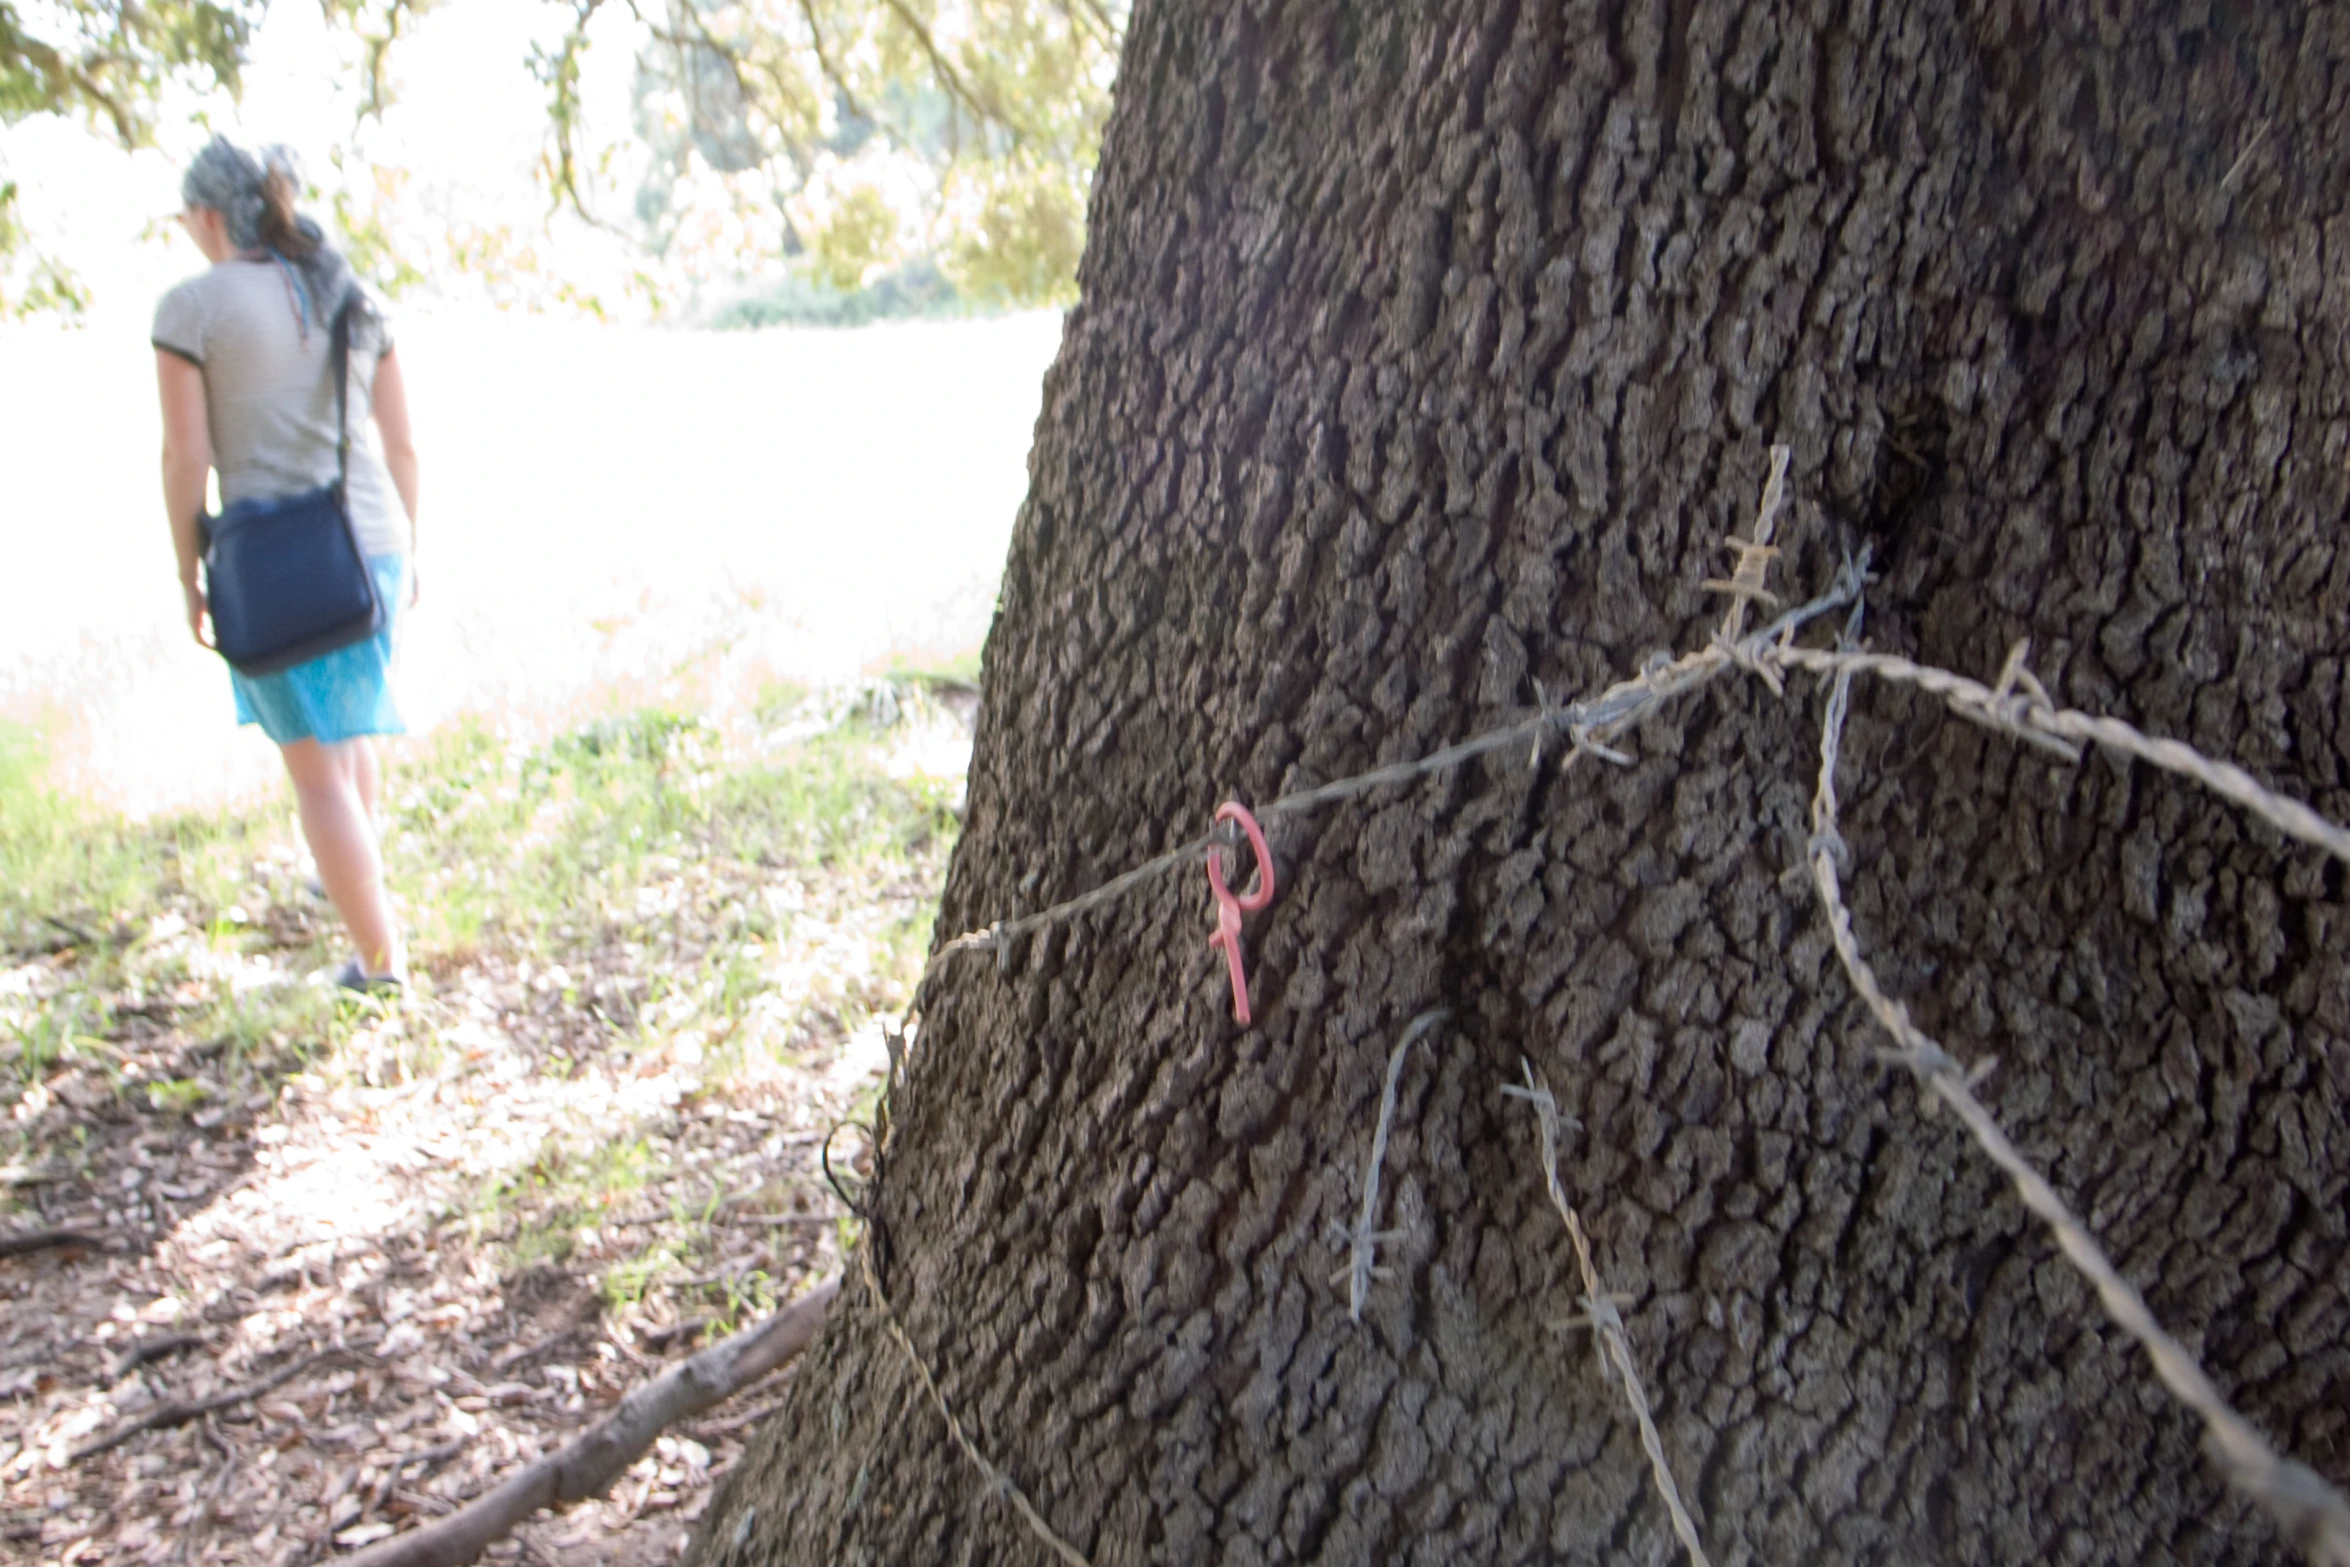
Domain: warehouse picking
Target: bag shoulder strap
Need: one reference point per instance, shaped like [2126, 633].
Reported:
[340, 356]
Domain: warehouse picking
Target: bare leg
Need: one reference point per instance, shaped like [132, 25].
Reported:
[342, 840]
[367, 777]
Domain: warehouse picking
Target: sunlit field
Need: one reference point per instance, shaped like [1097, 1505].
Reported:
[610, 516]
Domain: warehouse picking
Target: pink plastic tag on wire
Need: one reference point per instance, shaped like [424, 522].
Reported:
[1230, 905]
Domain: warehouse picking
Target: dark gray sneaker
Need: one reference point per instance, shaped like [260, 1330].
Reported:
[352, 977]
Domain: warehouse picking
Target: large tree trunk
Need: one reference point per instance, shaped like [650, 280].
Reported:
[1430, 350]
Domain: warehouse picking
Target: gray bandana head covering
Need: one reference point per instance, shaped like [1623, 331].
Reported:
[230, 181]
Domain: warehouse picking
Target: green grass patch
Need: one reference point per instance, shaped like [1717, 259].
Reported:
[959, 670]
[567, 1188]
[74, 872]
[538, 846]
[648, 884]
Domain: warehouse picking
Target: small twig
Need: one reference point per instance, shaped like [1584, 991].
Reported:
[214, 1489]
[1362, 1241]
[44, 1240]
[661, 1338]
[177, 1412]
[144, 1350]
[1607, 1323]
[29, 1174]
[1090, 16]
[80, 936]
[588, 1466]
[2311, 1513]
[430, 1457]
[214, 1440]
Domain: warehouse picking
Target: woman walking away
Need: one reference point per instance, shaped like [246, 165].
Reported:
[243, 359]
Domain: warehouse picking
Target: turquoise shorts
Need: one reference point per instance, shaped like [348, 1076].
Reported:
[336, 696]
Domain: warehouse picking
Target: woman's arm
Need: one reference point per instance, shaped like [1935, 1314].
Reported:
[187, 460]
[399, 441]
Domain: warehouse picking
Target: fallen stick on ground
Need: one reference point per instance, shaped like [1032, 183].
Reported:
[178, 1412]
[72, 930]
[42, 1240]
[588, 1466]
[136, 1355]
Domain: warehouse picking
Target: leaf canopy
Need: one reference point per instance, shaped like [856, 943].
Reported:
[855, 136]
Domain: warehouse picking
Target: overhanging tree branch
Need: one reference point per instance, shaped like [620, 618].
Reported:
[824, 65]
[948, 76]
[1085, 15]
[560, 72]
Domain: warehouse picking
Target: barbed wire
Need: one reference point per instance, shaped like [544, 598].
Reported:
[1587, 725]
[1362, 1239]
[2311, 1513]
[999, 1484]
[1603, 1317]
[2020, 707]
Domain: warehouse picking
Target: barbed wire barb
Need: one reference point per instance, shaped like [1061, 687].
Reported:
[1746, 584]
[2028, 714]
[1361, 1240]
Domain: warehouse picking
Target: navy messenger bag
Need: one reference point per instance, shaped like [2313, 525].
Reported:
[286, 578]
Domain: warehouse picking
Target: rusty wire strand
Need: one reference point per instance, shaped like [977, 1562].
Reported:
[1605, 1320]
[999, 1484]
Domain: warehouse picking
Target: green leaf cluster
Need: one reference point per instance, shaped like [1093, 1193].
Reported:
[814, 105]
[109, 60]
[106, 62]
[31, 283]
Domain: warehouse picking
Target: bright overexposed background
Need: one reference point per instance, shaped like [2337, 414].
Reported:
[610, 513]
[613, 512]
[454, 155]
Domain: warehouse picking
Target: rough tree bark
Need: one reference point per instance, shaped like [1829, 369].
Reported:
[1430, 349]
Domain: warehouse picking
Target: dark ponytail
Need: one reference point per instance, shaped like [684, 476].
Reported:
[281, 230]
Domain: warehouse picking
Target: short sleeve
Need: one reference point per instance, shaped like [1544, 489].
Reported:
[179, 324]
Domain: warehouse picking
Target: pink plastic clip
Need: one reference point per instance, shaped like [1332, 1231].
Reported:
[1230, 905]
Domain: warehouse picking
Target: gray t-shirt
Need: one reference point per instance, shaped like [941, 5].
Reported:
[270, 395]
